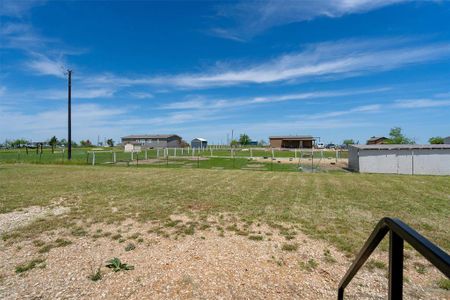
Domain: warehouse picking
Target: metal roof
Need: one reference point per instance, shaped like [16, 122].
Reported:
[149, 136]
[293, 137]
[400, 147]
[200, 139]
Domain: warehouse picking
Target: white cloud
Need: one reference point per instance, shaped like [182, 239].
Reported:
[353, 111]
[328, 60]
[421, 103]
[46, 66]
[141, 95]
[205, 103]
[17, 8]
[253, 17]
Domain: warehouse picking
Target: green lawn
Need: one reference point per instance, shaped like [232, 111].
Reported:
[341, 208]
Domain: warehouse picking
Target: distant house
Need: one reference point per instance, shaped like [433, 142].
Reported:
[377, 140]
[292, 141]
[154, 141]
[199, 143]
[132, 147]
[447, 140]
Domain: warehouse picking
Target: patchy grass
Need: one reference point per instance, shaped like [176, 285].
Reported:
[375, 264]
[444, 284]
[96, 275]
[328, 257]
[289, 247]
[130, 247]
[309, 266]
[256, 237]
[37, 262]
[326, 206]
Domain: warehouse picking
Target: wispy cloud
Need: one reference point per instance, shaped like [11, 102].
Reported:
[204, 102]
[253, 17]
[352, 111]
[43, 65]
[329, 60]
[18, 8]
[421, 103]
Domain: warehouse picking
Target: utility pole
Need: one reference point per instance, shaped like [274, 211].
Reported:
[69, 118]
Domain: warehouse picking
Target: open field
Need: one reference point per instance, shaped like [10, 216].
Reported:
[198, 232]
[257, 159]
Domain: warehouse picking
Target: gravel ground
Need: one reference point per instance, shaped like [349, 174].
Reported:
[209, 264]
[15, 219]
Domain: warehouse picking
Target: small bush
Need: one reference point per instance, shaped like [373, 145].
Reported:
[420, 268]
[117, 265]
[289, 247]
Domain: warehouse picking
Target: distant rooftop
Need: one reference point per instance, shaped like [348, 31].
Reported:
[376, 138]
[149, 136]
[401, 146]
[200, 139]
[293, 137]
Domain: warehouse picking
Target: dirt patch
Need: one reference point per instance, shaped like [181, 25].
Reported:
[15, 219]
[192, 258]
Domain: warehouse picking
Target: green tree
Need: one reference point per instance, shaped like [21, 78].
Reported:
[348, 142]
[234, 143]
[110, 142]
[19, 143]
[244, 139]
[53, 142]
[86, 143]
[396, 137]
[436, 140]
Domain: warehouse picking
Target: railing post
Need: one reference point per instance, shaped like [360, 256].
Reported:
[341, 294]
[395, 266]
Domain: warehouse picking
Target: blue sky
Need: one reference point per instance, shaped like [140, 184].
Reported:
[333, 69]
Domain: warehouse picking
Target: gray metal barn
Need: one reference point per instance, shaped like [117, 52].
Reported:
[400, 159]
[199, 143]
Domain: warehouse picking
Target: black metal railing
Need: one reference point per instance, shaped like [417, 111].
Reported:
[398, 233]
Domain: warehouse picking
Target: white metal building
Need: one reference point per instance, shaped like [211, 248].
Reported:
[132, 147]
[199, 143]
[400, 159]
[447, 140]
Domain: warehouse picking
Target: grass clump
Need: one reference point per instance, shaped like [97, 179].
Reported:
[37, 262]
[289, 247]
[255, 237]
[130, 247]
[444, 283]
[328, 257]
[420, 268]
[310, 265]
[375, 264]
[96, 276]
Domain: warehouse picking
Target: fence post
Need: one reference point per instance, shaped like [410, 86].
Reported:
[114, 157]
[132, 158]
[210, 149]
[137, 159]
[395, 266]
[295, 153]
[93, 158]
[157, 152]
[175, 152]
[146, 155]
